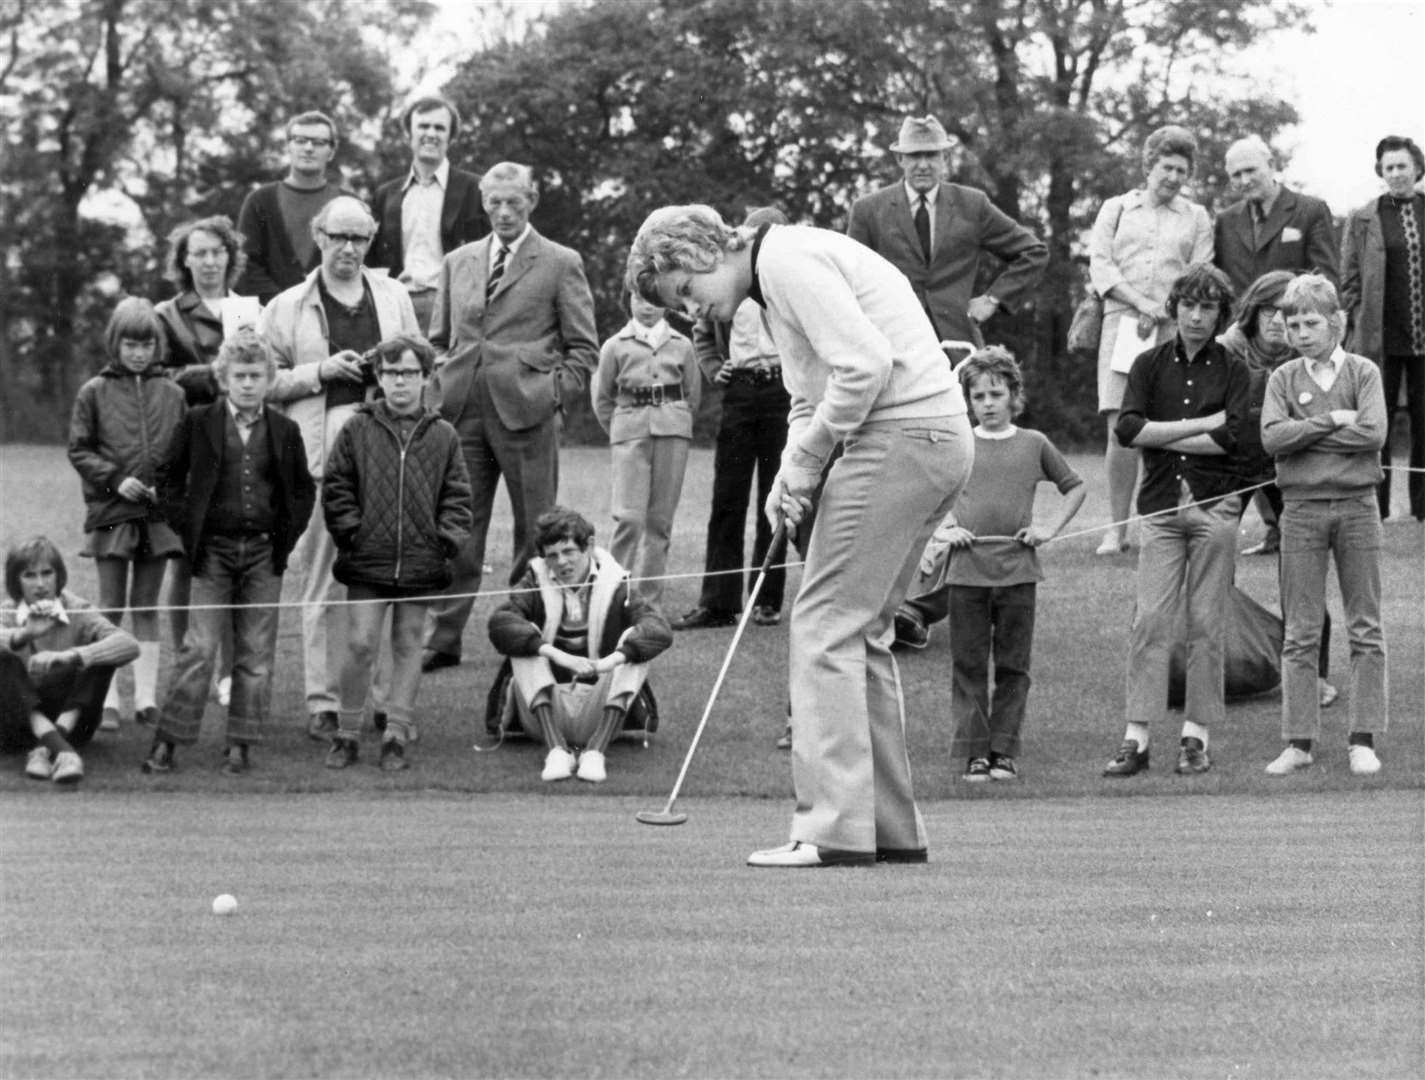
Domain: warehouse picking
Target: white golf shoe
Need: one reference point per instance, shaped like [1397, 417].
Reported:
[38, 765]
[558, 765]
[592, 767]
[1292, 759]
[1364, 760]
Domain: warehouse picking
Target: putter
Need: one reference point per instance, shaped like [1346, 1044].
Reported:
[669, 816]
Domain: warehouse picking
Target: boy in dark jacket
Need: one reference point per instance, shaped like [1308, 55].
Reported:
[397, 501]
[573, 619]
[241, 470]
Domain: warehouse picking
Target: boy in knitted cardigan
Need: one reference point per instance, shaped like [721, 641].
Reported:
[1324, 421]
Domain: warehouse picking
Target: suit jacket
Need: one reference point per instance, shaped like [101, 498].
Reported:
[1363, 280]
[462, 219]
[197, 465]
[535, 339]
[1298, 235]
[966, 225]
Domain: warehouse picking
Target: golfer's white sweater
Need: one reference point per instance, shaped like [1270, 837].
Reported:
[856, 345]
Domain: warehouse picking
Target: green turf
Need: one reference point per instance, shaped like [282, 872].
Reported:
[525, 936]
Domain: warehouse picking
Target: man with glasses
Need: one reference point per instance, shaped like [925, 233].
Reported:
[431, 210]
[276, 219]
[320, 329]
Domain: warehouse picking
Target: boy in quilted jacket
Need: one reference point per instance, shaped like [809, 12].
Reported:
[397, 503]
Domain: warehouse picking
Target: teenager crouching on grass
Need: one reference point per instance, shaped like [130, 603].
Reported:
[864, 368]
[57, 658]
[243, 496]
[1324, 420]
[396, 497]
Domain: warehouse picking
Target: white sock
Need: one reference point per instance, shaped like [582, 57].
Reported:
[1137, 733]
[111, 699]
[146, 676]
[1194, 730]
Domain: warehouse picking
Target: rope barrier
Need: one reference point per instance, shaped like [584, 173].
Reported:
[493, 593]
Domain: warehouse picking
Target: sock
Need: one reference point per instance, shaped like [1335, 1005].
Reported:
[1303, 745]
[111, 697]
[66, 721]
[1137, 733]
[1361, 738]
[612, 719]
[1193, 730]
[146, 676]
[544, 716]
[54, 742]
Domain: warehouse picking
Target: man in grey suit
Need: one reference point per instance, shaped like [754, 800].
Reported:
[935, 233]
[1271, 227]
[515, 317]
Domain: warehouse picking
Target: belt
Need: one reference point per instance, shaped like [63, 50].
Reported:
[654, 395]
[755, 376]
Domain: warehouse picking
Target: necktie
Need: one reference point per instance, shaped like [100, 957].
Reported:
[1411, 228]
[922, 227]
[1259, 218]
[497, 273]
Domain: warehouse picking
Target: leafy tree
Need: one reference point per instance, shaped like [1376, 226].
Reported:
[170, 103]
[624, 107]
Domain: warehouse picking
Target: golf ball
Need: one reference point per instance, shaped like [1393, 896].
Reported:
[224, 905]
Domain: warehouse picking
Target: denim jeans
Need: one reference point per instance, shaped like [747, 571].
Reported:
[1187, 557]
[1313, 531]
[990, 620]
[70, 688]
[233, 571]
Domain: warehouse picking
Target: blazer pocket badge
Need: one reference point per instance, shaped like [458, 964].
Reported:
[1291, 236]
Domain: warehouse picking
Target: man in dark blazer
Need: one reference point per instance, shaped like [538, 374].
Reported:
[242, 495]
[935, 233]
[1271, 227]
[515, 317]
[430, 211]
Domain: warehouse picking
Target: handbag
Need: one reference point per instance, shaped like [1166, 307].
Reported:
[1086, 327]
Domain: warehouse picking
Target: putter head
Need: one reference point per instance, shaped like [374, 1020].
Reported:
[661, 817]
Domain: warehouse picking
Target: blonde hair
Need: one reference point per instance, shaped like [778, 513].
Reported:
[687, 238]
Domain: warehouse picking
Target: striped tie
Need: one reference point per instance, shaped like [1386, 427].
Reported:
[497, 273]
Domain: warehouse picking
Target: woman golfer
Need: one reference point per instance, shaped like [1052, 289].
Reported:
[864, 369]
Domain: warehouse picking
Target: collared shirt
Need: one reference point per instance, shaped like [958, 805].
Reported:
[57, 612]
[749, 341]
[1164, 385]
[1323, 372]
[930, 197]
[512, 247]
[421, 206]
[244, 422]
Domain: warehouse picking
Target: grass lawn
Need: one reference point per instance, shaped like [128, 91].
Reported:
[464, 919]
[1242, 936]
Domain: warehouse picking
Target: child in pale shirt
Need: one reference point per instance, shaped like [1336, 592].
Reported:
[1324, 420]
[993, 570]
[645, 394]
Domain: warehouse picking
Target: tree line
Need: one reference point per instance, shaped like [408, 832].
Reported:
[177, 105]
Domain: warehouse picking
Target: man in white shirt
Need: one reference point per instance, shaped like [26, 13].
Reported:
[430, 211]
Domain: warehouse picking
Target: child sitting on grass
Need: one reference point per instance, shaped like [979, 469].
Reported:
[57, 658]
[993, 569]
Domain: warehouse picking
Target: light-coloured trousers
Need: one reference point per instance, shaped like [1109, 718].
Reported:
[534, 681]
[648, 481]
[1314, 531]
[881, 501]
[366, 627]
[1186, 557]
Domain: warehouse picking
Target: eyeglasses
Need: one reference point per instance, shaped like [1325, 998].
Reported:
[401, 374]
[352, 238]
[307, 140]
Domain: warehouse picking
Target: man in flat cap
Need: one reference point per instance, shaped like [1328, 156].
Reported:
[934, 232]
